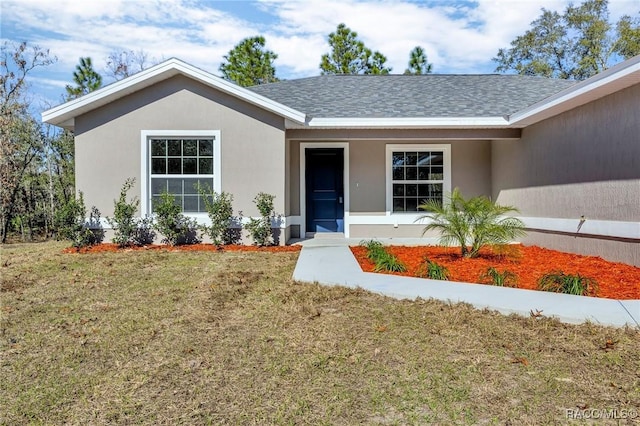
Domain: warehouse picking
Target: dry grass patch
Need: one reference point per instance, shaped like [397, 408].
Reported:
[210, 338]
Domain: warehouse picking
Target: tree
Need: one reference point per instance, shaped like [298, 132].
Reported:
[350, 56]
[249, 64]
[122, 64]
[21, 139]
[575, 45]
[86, 79]
[471, 223]
[418, 63]
[629, 36]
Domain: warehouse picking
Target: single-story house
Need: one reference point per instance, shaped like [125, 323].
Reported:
[356, 154]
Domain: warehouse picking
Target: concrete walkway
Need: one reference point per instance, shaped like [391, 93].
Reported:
[329, 261]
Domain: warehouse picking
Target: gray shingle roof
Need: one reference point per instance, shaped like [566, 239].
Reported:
[395, 96]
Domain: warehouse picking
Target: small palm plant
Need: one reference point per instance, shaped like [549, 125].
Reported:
[471, 223]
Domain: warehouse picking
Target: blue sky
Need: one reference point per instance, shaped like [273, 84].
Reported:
[458, 36]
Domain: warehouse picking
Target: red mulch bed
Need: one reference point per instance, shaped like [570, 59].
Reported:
[111, 248]
[529, 263]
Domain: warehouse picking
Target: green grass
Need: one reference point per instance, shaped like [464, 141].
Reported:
[228, 338]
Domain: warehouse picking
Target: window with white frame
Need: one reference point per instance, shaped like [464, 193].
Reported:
[178, 165]
[417, 174]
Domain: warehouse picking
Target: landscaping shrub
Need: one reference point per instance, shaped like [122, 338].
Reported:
[389, 263]
[471, 223]
[260, 229]
[374, 248]
[559, 282]
[501, 279]
[170, 222]
[220, 210]
[71, 223]
[432, 270]
[384, 261]
[127, 229]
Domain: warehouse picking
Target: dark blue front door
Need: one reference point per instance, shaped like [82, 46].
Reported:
[324, 189]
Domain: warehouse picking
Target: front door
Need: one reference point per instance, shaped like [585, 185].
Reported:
[324, 189]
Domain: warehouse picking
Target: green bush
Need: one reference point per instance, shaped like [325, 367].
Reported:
[144, 233]
[384, 261]
[471, 223]
[220, 210]
[432, 270]
[389, 263]
[172, 224]
[559, 282]
[260, 229]
[500, 279]
[71, 223]
[129, 230]
[375, 249]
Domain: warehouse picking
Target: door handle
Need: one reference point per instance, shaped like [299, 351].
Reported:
[340, 200]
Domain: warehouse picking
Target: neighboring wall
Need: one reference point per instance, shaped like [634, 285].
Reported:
[108, 141]
[585, 162]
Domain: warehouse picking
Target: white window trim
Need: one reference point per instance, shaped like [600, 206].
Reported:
[145, 172]
[303, 189]
[446, 186]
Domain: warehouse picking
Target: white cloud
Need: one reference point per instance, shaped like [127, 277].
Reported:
[457, 36]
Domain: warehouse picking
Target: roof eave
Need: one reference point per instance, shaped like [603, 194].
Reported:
[407, 123]
[63, 115]
[616, 78]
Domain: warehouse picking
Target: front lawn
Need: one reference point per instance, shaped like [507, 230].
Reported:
[166, 337]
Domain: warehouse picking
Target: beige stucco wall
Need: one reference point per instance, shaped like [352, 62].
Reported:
[585, 162]
[252, 142]
[471, 172]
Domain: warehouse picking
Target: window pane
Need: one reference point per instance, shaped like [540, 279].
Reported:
[423, 173]
[436, 173]
[423, 190]
[437, 159]
[424, 158]
[206, 183]
[411, 158]
[412, 205]
[411, 190]
[174, 186]
[190, 166]
[175, 149]
[206, 166]
[203, 205]
[398, 204]
[158, 186]
[190, 147]
[191, 186]
[154, 203]
[398, 173]
[435, 189]
[398, 190]
[412, 173]
[190, 203]
[175, 166]
[178, 200]
[159, 166]
[398, 158]
[158, 147]
[206, 148]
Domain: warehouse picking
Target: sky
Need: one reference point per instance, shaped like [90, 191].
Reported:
[458, 36]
